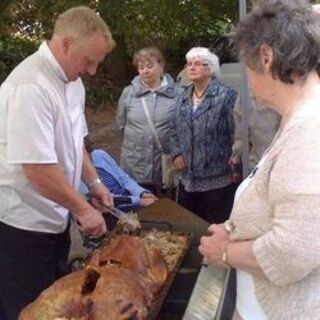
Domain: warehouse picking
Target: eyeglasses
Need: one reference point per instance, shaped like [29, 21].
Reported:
[196, 64]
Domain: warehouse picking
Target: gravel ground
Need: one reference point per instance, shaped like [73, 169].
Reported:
[103, 131]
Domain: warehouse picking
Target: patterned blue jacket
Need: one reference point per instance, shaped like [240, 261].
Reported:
[204, 137]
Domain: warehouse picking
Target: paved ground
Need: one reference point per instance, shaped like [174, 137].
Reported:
[103, 130]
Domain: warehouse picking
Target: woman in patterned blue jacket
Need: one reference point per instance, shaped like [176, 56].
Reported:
[202, 138]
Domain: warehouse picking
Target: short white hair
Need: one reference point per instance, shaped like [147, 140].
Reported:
[205, 55]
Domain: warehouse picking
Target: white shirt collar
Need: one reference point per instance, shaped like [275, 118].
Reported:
[45, 51]
[164, 81]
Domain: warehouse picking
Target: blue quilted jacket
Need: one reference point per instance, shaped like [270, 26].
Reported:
[204, 137]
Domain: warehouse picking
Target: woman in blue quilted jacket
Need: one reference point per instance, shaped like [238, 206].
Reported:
[202, 138]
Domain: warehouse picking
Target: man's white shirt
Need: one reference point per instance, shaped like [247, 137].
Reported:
[41, 122]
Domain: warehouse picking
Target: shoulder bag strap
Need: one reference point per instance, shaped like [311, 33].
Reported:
[152, 128]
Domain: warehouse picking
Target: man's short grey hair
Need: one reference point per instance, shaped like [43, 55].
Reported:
[205, 55]
[81, 23]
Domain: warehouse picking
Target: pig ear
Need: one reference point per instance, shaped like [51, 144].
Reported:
[89, 280]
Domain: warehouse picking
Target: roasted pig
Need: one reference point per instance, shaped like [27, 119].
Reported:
[112, 293]
[132, 253]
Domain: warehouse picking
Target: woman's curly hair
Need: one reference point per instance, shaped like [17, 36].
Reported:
[291, 29]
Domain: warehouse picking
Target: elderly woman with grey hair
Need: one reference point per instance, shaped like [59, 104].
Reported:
[272, 237]
[202, 137]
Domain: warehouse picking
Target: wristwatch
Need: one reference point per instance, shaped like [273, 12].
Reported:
[229, 226]
[92, 183]
[224, 257]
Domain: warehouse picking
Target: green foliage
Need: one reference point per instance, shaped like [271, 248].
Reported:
[98, 97]
[12, 52]
[167, 23]
[172, 25]
[50, 9]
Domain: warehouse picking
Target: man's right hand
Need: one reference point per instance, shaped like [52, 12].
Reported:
[50, 181]
[92, 223]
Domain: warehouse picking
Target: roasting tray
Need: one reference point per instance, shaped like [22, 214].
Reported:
[147, 226]
[157, 304]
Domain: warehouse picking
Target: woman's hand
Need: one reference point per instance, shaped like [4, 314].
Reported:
[238, 254]
[236, 170]
[147, 199]
[179, 162]
[213, 246]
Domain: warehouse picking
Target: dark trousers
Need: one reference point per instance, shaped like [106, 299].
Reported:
[29, 263]
[213, 206]
[1, 313]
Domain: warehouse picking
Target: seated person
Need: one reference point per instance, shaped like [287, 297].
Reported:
[128, 195]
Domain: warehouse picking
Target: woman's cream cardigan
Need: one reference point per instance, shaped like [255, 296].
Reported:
[280, 208]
